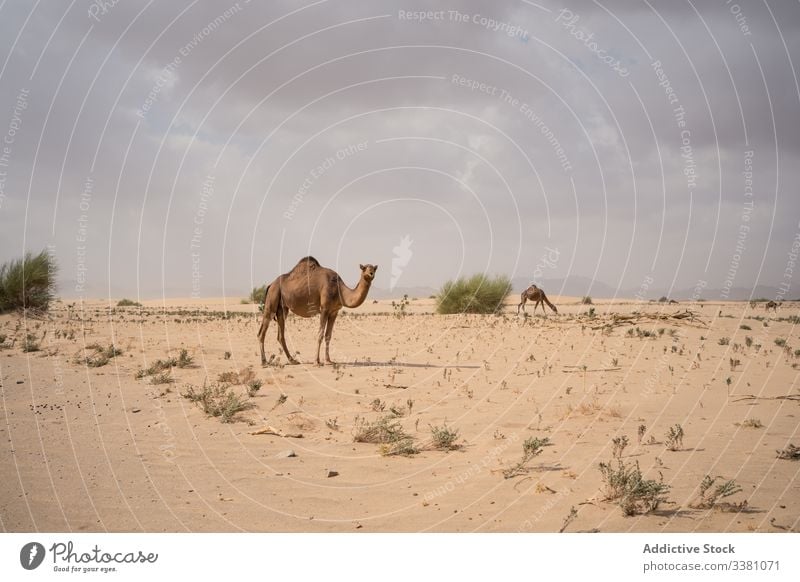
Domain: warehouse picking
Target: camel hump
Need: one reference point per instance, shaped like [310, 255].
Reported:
[304, 266]
[309, 260]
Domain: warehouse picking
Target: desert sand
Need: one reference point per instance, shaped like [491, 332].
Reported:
[100, 449]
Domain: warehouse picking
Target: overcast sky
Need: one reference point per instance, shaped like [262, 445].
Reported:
[203, 147]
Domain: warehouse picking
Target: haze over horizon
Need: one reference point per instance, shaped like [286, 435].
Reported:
[193, 148]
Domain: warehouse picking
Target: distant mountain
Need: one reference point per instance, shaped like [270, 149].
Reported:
[574, 286]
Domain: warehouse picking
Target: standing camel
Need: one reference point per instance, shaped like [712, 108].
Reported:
[773, 306]
[307, 290]
[533, 293]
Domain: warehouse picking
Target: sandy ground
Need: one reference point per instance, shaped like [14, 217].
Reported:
[98, 449]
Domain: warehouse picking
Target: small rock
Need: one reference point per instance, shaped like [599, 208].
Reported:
[332, 473]
[135, 410]
[286, 454]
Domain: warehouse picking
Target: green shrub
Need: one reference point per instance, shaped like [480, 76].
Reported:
[30, 344]
[128, 303]
[444, 437]
[710, 495]
[476, 294]
[632, 492]
[98, 355]
[28, 283]
[257, 295]
[218, 400]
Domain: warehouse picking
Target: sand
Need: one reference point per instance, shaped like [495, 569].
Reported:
[98, 449]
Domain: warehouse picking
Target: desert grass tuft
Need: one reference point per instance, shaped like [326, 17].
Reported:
[28, 283]
[476, 294]
[532, 447]
[634, 494]
[709, 496]
[219, 401]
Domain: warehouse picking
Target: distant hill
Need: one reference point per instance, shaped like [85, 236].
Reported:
[575, 286]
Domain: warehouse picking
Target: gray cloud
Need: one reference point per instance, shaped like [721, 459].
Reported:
[485, 138]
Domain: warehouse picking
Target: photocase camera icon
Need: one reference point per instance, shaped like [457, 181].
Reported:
[31, 555]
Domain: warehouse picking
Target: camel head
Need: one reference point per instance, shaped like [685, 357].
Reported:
[368, 272]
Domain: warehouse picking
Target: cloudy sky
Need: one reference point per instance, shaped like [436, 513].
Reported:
[197, 147]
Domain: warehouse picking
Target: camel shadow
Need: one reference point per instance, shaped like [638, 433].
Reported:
[399, 364]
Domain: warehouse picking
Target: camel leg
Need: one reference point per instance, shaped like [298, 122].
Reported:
[270, 307]
[522, 304]
[323, 321]
[281, 317]
[328, 335]
[262, 333]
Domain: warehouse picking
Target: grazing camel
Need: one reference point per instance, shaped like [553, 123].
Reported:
[307, 290]
[773, 306]
[533, 293]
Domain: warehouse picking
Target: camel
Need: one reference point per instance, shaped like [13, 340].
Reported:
[773, 306]
[307, 290]
[533, 293]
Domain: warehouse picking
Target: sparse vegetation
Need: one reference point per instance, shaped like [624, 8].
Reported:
[745, 327]
[586, 300]
[573, 513]
[388, 432]
[640, 432]
[752, 423]
[709, 495]
[476, 294]
[162, 378]
[620, 443]
[780, 342]
[382, 431]
[184, 359]
[674, 439]
[444, 438]
[28, 283]
[98, 355]
[790, 453]
[253, 386]
[157, 366]
[531, 448]
[400, 306]
[724, 341]
[632, 492]
[218, 400]
[30, 344]
[405, 447]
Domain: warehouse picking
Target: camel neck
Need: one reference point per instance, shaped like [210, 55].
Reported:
[354, 297]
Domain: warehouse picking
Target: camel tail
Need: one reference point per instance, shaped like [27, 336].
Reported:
[546, 300]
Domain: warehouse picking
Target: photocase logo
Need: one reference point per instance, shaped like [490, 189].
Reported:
[402, 255]
[31, 555]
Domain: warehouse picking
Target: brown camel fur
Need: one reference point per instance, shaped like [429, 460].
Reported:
[773, 306]
[307, 290]
[533, 293]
